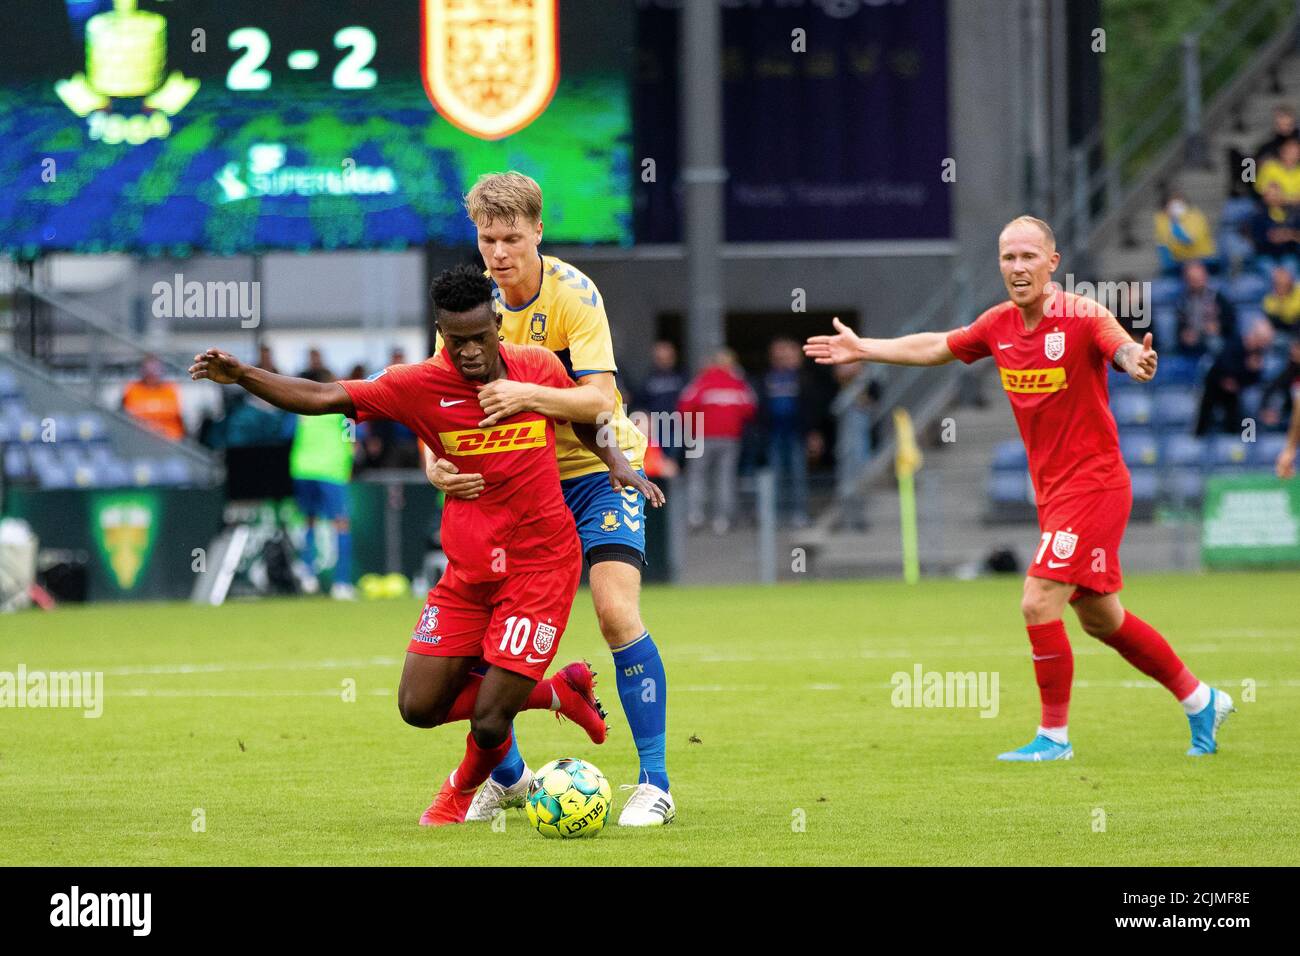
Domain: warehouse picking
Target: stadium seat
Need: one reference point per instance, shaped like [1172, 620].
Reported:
[15, 464]
[1139, 448]
[1165, 291]
[1010, 455]
[9, 385]
[1184, 451]
[1009, 487]
[1131, 406]
[1175, 407]
[1228, 451]
[1176, 370]
[1236, 212]
[1264, 451]
[29, 430]
[90, 427]
[1184, 484]
[1247, 289]
[173, 471]
[1145, 484]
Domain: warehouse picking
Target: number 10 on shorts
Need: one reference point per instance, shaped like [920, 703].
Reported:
[515, 638]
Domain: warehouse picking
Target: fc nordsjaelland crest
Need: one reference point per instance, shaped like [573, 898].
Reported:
[490, 66]
[1054, 345]
[1063, 544]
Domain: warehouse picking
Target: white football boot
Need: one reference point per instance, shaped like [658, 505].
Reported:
[492, 797]
[647, 807]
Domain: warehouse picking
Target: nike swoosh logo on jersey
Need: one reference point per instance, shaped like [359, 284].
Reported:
[533, 660]
[446, 404]
[1045, 657]
[1007, 346]
[1058, 564]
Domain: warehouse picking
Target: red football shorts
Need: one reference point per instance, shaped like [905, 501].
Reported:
[515, 623]
[1080, 540]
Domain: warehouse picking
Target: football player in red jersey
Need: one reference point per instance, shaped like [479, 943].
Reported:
[1052, 349]
[512, 548]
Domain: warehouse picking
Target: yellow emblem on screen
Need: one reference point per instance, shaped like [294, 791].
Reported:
[490, 66]
[1033, 380]
[486, 441]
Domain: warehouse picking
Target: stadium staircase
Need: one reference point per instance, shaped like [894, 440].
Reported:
[1245, 59]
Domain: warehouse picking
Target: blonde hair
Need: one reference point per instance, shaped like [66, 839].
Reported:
[1039, 224]
[504, 197]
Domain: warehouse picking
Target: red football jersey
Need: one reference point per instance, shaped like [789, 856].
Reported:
[1055, 379]
[520, 522]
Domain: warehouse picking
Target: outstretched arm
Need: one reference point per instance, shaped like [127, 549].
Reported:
[846, 347]
[299, 395]
[1139, 361]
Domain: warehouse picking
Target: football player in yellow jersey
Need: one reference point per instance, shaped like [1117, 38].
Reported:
[545, 301]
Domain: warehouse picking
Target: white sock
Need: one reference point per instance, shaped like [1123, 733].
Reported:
[1060, 735]
[1197, 700]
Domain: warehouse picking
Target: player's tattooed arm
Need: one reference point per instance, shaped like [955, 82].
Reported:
[586, 402]
[603, 443]
[1139, 361]
[298, 395]
[846, 347]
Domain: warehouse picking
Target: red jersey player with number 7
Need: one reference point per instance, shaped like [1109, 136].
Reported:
[493, 623]
[1052, 349]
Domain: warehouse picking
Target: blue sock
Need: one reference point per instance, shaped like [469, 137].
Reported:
[343, 566]
[511, 768]
[643, 688]
[309, 549]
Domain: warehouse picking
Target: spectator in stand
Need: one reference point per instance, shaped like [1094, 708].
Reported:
[1182, 234]
[265, 359]
[1206, 319]
[784, 415]
[153, 402]
[315, 365]
[853, 440]
[1283, 130]
[726, 404]
[1275, 229]
[358, 372]
[660, 390]
[1238, 366]
[1275, 404]
[397, 356]
[1283, 169]
[1282, 304]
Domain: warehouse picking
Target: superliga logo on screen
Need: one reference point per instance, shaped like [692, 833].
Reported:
[490, 68]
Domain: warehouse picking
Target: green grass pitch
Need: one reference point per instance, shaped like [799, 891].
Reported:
[784, 746]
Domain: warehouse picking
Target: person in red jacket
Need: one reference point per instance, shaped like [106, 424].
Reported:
[725, 404]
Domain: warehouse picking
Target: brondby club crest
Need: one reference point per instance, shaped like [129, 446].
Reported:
[537, 327]
[490, 66]
[1054, 345]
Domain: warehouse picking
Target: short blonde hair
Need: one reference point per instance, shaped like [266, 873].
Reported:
[504, 197]
[1034, 221]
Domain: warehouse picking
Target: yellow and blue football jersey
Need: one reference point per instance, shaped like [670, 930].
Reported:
[568, 317]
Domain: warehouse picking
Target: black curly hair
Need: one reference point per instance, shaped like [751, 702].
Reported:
[461, 289]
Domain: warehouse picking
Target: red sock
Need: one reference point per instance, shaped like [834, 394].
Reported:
[1054, 668]
[478, 763]
[462, 708]
[1143, 647]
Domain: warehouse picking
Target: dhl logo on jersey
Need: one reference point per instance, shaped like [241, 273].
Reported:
[486, 441]
[1033, 381]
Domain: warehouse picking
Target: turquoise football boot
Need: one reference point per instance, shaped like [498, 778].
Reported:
[1206, 723]
[1039, 749]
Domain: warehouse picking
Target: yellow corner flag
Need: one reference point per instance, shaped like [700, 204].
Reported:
[907, 459]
